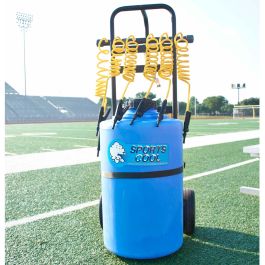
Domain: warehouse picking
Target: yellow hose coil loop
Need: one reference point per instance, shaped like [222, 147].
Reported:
[151, 60]
[131, 50]
[183, 67]
[166, 54]
[103, 74]
[118, 48]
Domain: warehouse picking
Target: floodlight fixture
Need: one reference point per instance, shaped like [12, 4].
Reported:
[24, 21]
[238, 87]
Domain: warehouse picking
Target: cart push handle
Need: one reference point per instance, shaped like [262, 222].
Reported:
[140, 68]
[143, 9]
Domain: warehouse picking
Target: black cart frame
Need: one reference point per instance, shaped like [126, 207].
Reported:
[141, 42]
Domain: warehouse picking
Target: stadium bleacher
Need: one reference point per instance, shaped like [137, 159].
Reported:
[27, 109]
[10, 90]
[85, 108]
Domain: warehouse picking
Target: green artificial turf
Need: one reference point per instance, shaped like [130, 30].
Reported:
[215, 126]
[205, 158]
[61, 136]
[27, 145]
[70, 127]
[37, 191]
[227, 230]
[68, 135]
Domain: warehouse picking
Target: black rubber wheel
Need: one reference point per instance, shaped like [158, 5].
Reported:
[189, 211]
[100, 214]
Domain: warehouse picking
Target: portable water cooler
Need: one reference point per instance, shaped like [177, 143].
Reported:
[142, 186]
[142, 206]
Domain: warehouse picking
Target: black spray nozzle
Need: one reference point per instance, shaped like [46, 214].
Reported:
[186, 124]
[102, 117]
[120, 111]
[161, 112]
[144, 105]
[98, 147]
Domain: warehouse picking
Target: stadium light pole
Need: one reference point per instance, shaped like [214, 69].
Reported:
[238, 87]
[24, 20]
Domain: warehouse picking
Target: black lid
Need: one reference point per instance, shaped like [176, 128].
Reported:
[135, 103]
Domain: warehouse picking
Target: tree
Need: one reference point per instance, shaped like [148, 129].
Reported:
[214, 104]
[203, 109]
[108, 102]
[182, 107]
[151, 96]
[227, 109]
[192, 105]
[142, 94]
[249, 101]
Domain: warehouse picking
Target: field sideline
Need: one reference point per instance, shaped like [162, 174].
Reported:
[34, 138]
[227, 222]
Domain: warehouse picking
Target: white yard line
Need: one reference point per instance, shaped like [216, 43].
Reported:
[220, 138]
[41, 216]
[10, 135]
[35, 161]
[38, 134]
[64, 137]
[27, 162]
[12, 154]
[69, 209]
[48, 149]
[221, 123]
[220, 169]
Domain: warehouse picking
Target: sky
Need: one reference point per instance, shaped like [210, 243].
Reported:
[61, 45]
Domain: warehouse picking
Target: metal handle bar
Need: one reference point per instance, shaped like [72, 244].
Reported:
[143, 9]
[141, 42]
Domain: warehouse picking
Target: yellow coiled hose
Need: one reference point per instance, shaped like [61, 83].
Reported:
[131, 50]
[103, 74]
[118, 48]
[151, 60]
[166, 55]
[183, 67]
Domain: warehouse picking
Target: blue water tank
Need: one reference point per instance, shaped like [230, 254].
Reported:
[142, 185]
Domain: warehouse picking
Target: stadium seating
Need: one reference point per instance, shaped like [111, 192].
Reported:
[76, 108]
[10, 90]
[26, 109]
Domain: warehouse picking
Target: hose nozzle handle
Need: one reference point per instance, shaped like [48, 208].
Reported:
[120, 111]
[186, 124]
[161, 112]
[102, 117]
[141, 109]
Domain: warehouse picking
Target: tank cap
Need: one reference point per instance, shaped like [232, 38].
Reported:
[144, 105]
[148, 103]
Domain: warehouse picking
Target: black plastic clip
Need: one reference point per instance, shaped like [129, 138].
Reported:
[144, 105]
[161, 112]
[101, 117]
[120, 111]
[186, 124]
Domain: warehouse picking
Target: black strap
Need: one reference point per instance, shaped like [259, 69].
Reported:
[150, 174]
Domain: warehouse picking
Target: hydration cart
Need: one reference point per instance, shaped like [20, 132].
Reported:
[144, 209]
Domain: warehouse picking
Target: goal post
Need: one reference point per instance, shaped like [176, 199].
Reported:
[246, 111]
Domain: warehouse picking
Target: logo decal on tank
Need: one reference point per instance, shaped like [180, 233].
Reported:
[117, 152]
[121, 154]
